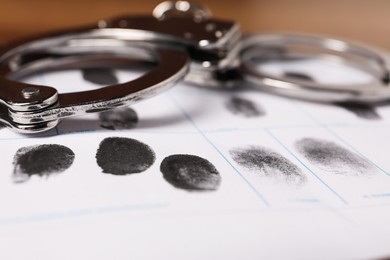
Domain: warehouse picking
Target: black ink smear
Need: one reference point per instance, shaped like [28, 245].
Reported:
[41, 160]
[244, 107]
[119, 118]
[268, 163]
[333, 158]
[190, 172]
[121, 156]
[298, 75]
[364, 111]
[100, 76]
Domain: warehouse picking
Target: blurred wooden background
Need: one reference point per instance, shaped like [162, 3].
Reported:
[362, 20]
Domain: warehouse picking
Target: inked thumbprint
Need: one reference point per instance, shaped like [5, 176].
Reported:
[190, 172]
[100, 76]
[245, 108]
[333, 158]
[268, 163]
[41, 160]
[121, 156]
[119, 119]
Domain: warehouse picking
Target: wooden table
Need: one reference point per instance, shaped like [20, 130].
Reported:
[360, 20]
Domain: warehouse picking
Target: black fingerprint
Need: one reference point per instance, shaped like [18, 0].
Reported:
[119, 118]
[333, 158]
[41, 160]
[100, 76]
[190, 172]
[364, 111]
[244, 107]
[121, 156]
[268, 163]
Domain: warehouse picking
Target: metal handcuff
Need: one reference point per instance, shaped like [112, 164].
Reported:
[185, 43]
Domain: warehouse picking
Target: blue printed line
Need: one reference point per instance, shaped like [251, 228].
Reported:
[258, 194]
[356, 151]
[77, 213]
[315, 175]
[306, 113]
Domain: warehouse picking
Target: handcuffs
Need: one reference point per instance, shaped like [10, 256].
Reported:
[185, 43]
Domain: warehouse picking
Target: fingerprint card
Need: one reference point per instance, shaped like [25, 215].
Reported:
[198, 173]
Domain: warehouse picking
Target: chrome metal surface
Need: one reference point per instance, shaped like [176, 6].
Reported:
[260, 48]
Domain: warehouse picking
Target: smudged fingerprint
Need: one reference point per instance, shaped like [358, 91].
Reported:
[334, 158]
[41, 160]
[190, 172]
[364, 111]
[268, 163]
[244, 107]
[100, 76]
[121, 156]
[118, 119]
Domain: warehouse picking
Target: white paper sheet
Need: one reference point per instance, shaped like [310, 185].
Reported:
[83, 213]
